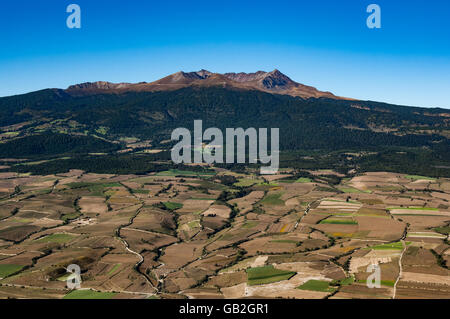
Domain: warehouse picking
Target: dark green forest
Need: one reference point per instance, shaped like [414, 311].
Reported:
[407, 139]
[51, 143]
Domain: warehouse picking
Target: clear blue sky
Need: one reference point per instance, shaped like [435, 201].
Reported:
[324, 43]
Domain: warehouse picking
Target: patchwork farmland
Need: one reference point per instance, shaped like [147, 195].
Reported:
[221, 234]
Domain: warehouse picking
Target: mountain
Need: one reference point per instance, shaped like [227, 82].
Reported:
[277, 82]
[271, 82]
[100, 85]
[317, 129]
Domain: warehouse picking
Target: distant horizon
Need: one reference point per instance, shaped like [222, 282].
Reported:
[325, 44]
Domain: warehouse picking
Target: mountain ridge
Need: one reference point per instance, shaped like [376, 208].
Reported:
[274, 82]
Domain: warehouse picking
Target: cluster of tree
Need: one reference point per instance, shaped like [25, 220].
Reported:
[317, 126]
[54, 144]
[304, 124]
[107, 164]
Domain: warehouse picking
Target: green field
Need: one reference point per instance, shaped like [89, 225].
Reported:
[114, 269]
[172, 205]
[246, 182]
[388, 283]
[6, 270]
[177, 172]
[95, 189]
[70, 216]
[194, 224]
[64, 277]
[339, 221]
[286, 181]
[342, 201]
[352, 190]
[304, 180]
[397, 245]
[249, 224]
[140, 191]
[334, 214]
[22, 220]
[346, 281]
[267, 275]
[443, 230]
[210, 185]
[317, 285]
[272, 184]
[11, 133]
[273, 199]
[416, 208]
[417, 177]
[87, 184]
[89, 294]
[56, 238]
[102, 130]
